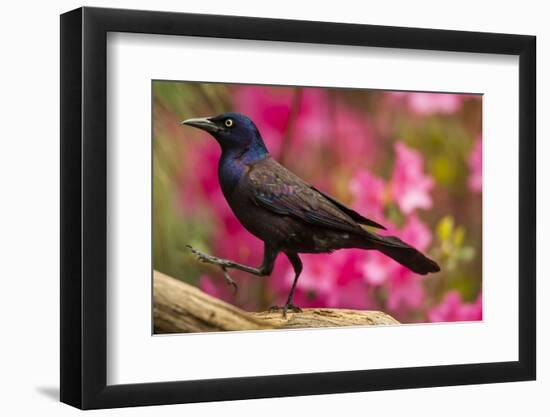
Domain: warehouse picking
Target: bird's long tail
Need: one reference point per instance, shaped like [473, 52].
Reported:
[405, 254]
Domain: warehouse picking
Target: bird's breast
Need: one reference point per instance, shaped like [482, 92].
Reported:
[230, 172]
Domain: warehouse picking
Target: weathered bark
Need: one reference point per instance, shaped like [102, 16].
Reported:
[182, 308]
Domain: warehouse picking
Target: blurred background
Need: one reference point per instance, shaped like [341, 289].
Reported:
[410, 161]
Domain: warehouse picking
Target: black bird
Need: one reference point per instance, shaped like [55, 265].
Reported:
[285, 212]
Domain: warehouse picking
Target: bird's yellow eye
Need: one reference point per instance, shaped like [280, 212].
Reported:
[229, 122]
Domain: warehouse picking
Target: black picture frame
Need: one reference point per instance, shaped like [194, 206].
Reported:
[84, 207]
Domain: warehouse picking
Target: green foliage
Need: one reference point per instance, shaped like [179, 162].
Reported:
[452, 248]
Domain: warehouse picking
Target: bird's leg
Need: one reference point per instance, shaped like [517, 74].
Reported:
[230, 281]
[297, 265]
[270, 254]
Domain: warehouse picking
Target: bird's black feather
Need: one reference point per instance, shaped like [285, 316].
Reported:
[275, 188]
[352, 213]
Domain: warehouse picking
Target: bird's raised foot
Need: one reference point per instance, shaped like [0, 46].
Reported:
[285, 308]
[208, 259]
[214, 260]
[230, 281]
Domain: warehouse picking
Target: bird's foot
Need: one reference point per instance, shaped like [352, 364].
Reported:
[285, 308]
[230, 281]
[208, 259]
[214, 260]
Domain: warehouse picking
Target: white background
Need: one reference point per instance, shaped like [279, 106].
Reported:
[131, 348]
[29, 213]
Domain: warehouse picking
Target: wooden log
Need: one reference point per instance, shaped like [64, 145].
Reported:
[182, 308]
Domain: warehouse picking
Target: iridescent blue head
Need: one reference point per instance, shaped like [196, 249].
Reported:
[235, 132]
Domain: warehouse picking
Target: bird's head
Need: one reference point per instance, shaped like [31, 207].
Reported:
[233, 131]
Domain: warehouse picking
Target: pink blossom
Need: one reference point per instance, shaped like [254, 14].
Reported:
[405, 290]
[269, 108]
[453, 309]
[430, 103]
[405, 287]
[409, 185]
[378, 268]
[312, 119]
[198, 182]
[350, 136]
[315, 283]
[416, 233]
[326, 279]
[475, 163]
[317, 122]
[368, 194]
[215, 288]
[354, 295]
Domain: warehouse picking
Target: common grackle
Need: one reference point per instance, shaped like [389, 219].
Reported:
[285, 212]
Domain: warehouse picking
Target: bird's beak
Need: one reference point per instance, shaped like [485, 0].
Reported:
[203, 123]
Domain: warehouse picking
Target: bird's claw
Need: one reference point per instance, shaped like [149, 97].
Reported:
[203, 257]
[285, 308]
[209, 259]
[230, 281]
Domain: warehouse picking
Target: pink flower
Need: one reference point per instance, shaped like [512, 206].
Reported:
[326, 280]
[349, 135]
[453, 309]
[405, 290]
[430, 103]
[318, 122]
[378, 268]
[354, 295]
[405, 287]
[475, 163]
[269, 108]
[416, 233]
[312, 119]
[316, 281]
[410, 187]
[215, 288]
[198, 183]
[368, 194]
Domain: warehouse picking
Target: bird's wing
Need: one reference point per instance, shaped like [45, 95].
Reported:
[352, 213]
[275, 188]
